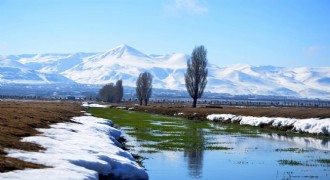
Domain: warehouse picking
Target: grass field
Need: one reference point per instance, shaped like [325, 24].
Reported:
[158, 133]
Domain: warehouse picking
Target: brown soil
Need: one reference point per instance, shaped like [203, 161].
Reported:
[20, 119]
[200, 113]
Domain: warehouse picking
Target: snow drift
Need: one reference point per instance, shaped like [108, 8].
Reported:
[80, 150]
[312, 125]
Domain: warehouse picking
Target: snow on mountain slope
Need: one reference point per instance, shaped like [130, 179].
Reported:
[126, 63]
[52, 63]
[12, 71]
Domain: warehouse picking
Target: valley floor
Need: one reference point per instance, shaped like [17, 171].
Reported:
[19, 119]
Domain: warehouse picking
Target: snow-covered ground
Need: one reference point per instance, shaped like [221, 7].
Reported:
[80, 150]
[86, 104]
[312, 125]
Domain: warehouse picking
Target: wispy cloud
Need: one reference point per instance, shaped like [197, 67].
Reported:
[177, 7]
[314, 50]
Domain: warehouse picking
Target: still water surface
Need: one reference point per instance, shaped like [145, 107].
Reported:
[250, 158]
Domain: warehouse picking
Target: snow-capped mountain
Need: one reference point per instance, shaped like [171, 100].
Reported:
[270, 80]
[12, 71]
[125, 62]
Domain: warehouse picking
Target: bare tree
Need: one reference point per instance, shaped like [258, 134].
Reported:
[109, 92]
[119, 91]
[196, 74]
[144, 87]
[112, 93]
[139, 89]
[102, 93]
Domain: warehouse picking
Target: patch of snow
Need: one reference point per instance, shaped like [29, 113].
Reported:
[256, 121]
[282, 122]
[94, 105]
[80, 150]
[224, 117]
[312, 125]
[179, 114]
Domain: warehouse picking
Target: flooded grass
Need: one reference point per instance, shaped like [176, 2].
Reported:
[290, 162]
[148, 151]
[217, 148]
[162, 133]
[324, 161]
[295, 150]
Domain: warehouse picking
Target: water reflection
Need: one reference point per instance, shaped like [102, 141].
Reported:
[307, 142]
[194, 156]
[195, 162]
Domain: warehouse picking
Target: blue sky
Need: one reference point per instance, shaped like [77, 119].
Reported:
[291, 33]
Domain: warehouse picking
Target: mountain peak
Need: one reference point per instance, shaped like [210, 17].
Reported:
[124, 50]
[123, 46]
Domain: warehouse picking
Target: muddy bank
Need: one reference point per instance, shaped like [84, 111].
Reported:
[20, 119]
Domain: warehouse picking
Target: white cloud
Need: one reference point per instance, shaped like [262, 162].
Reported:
[314, 50]
[177, 7]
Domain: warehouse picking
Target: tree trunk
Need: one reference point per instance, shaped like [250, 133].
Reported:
[194, 102]
[141, 103]
[145, 102]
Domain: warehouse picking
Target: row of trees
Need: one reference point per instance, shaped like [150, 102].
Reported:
[195, 80]
[112, 93]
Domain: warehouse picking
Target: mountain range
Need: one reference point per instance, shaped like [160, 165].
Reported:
[125, 62]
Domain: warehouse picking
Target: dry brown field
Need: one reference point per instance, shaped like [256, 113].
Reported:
[20, 119]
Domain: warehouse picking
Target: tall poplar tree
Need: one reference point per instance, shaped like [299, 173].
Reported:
[195, 77]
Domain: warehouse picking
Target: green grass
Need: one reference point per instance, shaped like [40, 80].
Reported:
[159, 133]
